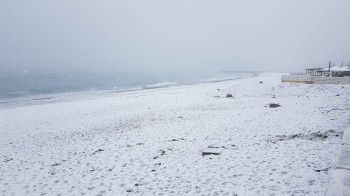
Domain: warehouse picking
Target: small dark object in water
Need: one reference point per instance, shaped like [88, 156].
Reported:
[229, 95]
[261, 82]
[274, 105]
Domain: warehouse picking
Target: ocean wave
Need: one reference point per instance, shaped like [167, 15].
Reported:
[160, 85]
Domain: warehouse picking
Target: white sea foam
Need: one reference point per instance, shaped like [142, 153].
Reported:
[160, 85]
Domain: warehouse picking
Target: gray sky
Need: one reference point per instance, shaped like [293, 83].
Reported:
[173, 35]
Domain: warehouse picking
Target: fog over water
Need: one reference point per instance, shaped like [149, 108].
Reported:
[172, 36]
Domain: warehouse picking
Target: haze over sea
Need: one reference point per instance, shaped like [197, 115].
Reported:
[26, 84]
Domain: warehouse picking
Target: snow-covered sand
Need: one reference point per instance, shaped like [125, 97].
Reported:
[149, 142]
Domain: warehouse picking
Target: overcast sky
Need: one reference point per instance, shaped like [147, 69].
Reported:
[173, 35]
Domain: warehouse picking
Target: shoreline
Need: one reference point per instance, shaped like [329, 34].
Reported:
[79, 95]
[151, 142]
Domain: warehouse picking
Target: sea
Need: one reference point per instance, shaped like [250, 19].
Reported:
[26, 86]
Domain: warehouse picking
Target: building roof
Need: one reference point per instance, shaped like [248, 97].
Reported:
[338, 68]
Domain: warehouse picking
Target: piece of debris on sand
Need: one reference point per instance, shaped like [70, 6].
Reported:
[211, 151]
[274, 105]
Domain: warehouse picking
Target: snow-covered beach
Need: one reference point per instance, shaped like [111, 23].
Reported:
[150, 142]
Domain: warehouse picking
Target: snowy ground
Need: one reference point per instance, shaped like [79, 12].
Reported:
[149, 142]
